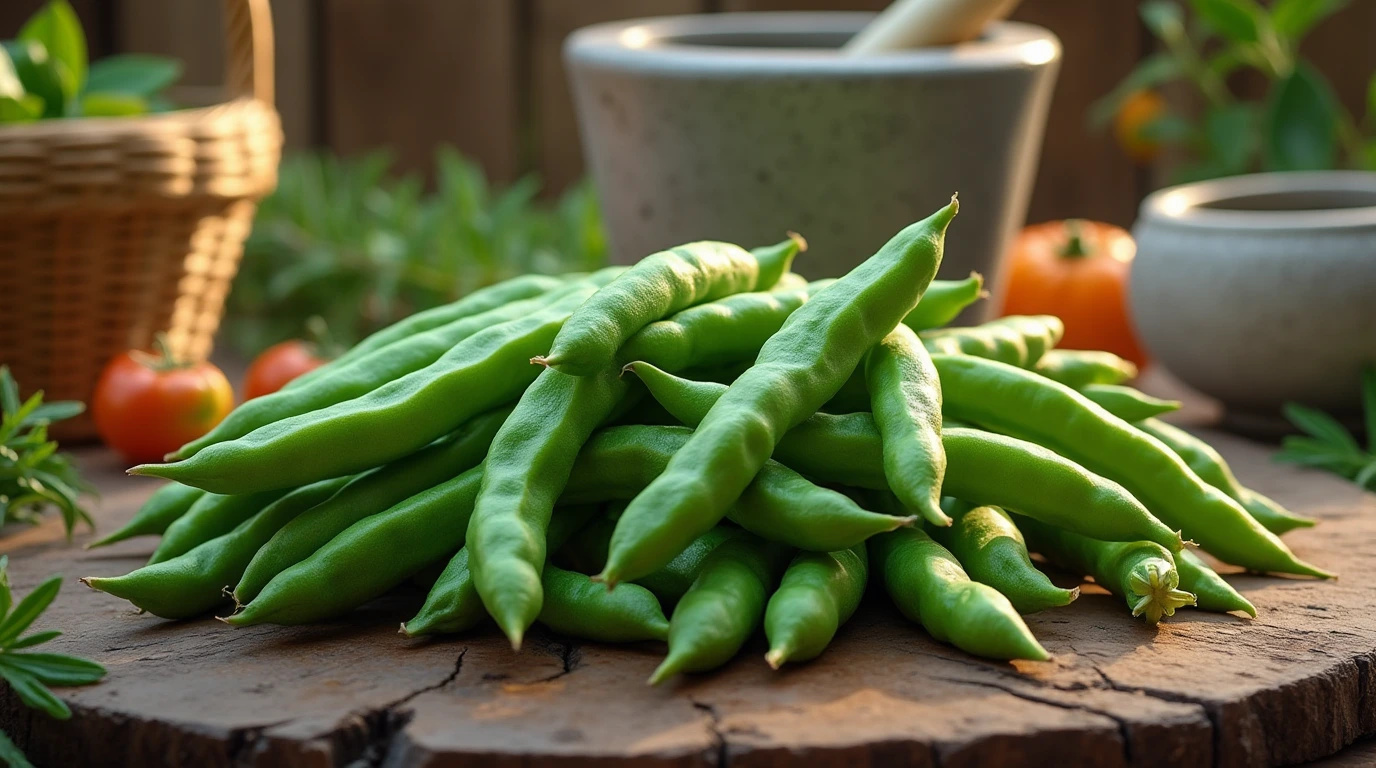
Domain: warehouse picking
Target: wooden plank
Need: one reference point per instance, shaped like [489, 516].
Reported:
[294, 25]
[1201, 689]
[410, 76]
[1341, 47]
[558, 150]
[1082, 172]
[191, 32]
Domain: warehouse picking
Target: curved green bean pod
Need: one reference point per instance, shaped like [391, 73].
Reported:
[993, 552]
[723, 607]
[1078, 368]
[798, 369]
[1206, 462]
[163, 508]
[194, 583]
[1023, 404]
[981, 468]
[578, 606]
[1127, 403]
[486, 370]
[905, 397]
[1020, 340]
[368, 494]
[929, 587]
[211, 516]
[656, 287]
[818, 593]
[1141, 572]
[1213, 593]
[944, 301]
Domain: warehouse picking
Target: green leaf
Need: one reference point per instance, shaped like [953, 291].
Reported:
[11, 755]
[25, 109]
[37, 638]
[1367, 477]
[112, 105]
[1369, 405]
[55, 668]
[57, 27]
[6, 596]
[1301, 123]
[1371, 101]
[1292, 19]
[1164, 19]
[9, 391]
[38, 73]
[31, 691]
[29, 609]
[1237, 20]
[133, 74]
[1150, 72]
[1167, 129]
[1322, 426]
[47, 413]
[10, 86]
[1231, 136]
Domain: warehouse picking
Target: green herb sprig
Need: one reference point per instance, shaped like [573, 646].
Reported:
[1330, 446]
[33, 475]
[29, 674]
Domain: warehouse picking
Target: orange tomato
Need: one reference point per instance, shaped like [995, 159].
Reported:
[278, 365]
[1137, 111]
[146, 406]
[1078, 271]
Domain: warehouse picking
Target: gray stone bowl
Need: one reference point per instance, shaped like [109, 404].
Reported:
[741, 126]
[1260, 290]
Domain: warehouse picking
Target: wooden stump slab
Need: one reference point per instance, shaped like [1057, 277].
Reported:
[1203, 689]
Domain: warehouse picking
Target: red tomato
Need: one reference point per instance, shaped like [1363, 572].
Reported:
[146, 406]
[278, 365]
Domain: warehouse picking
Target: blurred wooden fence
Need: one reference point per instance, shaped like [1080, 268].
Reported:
[486, 76]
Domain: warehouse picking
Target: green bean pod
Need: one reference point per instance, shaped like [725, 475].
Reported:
[486, 370]
[371, 371]
[981, 468]
[818, 593]
[944, 300]
[1211, 591]
[993, 552]
[453, 605]
[195, 582]
[163, 508]
[210, 516]
[1077, 368]
[368, 494]
[1141, 572]
[580, 607]
[482, 300]
[1019, 340]
[797, 370]
[587, 553]
[528, 465]
[724, 606]
[905, 398]
[1209, 465]
[929, 587]
[779, 504]
[1023, 404]
[656, 287]
[1127, 403]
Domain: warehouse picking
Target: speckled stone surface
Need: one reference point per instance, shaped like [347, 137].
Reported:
[1259, 307]
[697, 141]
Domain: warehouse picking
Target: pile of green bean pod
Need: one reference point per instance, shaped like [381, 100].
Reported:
[699, 447]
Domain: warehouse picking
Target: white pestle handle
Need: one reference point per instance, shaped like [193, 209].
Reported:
[920, 23]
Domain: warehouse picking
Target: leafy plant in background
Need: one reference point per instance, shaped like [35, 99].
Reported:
[29, 674]
[44, 73]
[344, 240]
[1298, 125]
[1328, 445]
[33, 475]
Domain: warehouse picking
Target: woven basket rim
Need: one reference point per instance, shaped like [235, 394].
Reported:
[131, 125]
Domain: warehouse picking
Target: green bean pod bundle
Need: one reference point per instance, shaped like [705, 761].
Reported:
[797, 370]
[1078, 368]
[1209, 465]
[1210, 590]
[578, 606]
[981, 468]
[368, 494]
[724, 606]
[1127, 403]
[993, 551]
[587, 550]
[210, 516]
[484, 371]
[1022, 404]
[163, 508]
[193, 583]
[819, 592]
[476, 303]
[905, 398]
[928, 585]
[944, 300]
[1019, 340]
[1141, 572]
[656, 287]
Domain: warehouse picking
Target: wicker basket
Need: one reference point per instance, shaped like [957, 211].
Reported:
[112, 229]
